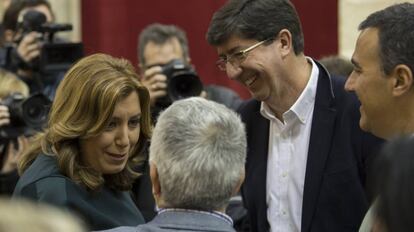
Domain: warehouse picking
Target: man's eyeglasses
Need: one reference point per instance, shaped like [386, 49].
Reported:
[237, 58]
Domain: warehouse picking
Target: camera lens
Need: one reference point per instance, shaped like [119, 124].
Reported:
[183, 86]
[35, 110]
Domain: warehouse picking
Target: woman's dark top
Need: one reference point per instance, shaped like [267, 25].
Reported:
[103, 209]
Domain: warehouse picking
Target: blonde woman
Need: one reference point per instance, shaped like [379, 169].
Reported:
[98, 125]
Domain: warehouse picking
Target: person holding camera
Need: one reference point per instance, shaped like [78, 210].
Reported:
[98, 126]
[24, 41]
[159, 47]
[11, 148]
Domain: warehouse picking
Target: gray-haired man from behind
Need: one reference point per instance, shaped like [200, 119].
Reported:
[197, 157]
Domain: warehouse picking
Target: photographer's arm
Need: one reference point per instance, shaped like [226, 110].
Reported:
[13, 154]
[27, 50]
[29, 47]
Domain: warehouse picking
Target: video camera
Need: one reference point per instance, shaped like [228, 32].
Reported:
[182, 82]
[54, 56]
[26, 114]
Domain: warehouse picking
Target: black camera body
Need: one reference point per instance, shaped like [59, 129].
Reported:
[182, 82]
[26, 114]
[54, 56]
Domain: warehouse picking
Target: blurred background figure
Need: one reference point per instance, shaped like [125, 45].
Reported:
[31, 48]
[337, 65]
[23, 216]
[98, 126]
[164, 56]
[197, 158]
[12, 144]
[391, 180]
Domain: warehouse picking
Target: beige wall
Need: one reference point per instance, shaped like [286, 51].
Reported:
[353, 12]
[68, 11]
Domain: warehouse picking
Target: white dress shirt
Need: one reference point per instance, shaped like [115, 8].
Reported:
[288, 153]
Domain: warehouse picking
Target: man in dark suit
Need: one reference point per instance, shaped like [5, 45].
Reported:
[307, 156]
[197, 157]
[383, 78]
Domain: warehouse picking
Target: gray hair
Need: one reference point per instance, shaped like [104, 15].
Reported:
[199, 148]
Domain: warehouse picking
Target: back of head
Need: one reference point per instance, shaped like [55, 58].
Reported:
[10, 83]
[396, 35]
[391, 182]
[161, 34]
[255, 19]
[23, 216]
[199, 150]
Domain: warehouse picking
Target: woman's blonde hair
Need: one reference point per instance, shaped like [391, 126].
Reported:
[10, 83]
[84, 103]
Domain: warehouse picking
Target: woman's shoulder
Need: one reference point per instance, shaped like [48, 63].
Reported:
[43, 166]
[43, 178]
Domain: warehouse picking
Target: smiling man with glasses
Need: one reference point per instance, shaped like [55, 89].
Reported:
[307, 156]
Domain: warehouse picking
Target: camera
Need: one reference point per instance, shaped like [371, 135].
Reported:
[182, 82]
[54, 56]
[26, 114]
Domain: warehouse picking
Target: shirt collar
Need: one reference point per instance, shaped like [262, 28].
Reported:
[304, 104]
[217, 214]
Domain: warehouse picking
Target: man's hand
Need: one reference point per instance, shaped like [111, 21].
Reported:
[156, 83]
[29, 47]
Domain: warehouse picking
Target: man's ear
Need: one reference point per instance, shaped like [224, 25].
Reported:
[402, 79]
[285, 38]
[156, 187]
[241, 180]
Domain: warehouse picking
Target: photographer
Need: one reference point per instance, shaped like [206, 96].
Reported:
[159, 45]
[10, 149]
[32, 49]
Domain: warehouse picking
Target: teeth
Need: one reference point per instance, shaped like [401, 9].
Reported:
[250, 80]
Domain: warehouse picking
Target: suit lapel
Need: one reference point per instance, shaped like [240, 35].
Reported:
[319, 146]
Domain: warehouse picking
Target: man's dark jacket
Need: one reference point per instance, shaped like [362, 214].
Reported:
[334, 196]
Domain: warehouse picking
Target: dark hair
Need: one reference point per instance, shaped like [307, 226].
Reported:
[391, 181]
[160, 34]
[11, 15]
[337, 65]
[255, 19]
[396, 35]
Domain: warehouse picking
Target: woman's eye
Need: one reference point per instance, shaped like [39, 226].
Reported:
[134, 122]
[111, 125]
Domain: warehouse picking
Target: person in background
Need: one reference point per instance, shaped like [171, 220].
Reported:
[337, 65]
[23, 216]
[383, 75]
[98, 126]
[10, 148]
[197, 157]
[24, 47]
[307, 157]
[391, 181]
[158, 45]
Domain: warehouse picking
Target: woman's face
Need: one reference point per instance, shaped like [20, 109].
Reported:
[109, 151]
